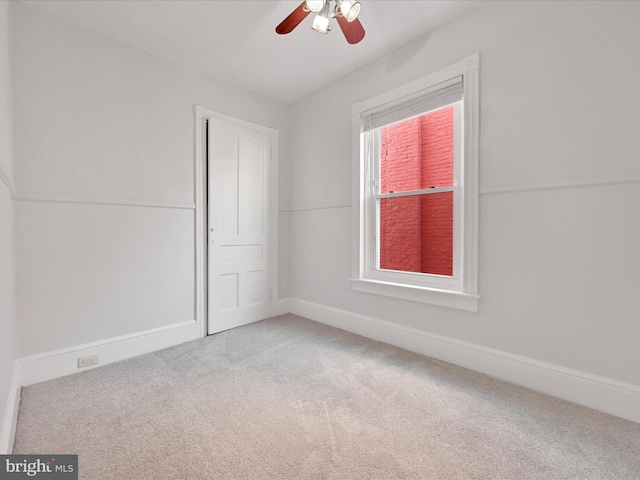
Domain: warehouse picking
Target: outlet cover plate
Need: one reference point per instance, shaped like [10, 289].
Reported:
[87, 361]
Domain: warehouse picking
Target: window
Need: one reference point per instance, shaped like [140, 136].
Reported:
[416, 190]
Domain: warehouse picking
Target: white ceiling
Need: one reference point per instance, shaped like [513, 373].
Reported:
[234, 41]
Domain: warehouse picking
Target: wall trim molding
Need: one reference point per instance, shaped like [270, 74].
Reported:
[7, 181]
[10, 417]
[600, 393]
[59, 363]
[53, 198]
[201, 265]
[317, 206]
[560, 184]
[205, 113]
[499, 189]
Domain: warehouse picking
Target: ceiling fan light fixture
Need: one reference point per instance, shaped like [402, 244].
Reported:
[344, 11]
[315, 5]
[349, 9]
[321, 22]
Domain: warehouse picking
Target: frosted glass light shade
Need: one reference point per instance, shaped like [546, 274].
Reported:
[349, 9]
[321, 22]
[315, 5]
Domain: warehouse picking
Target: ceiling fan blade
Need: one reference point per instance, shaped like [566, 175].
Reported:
[294, 19]
[353, 31]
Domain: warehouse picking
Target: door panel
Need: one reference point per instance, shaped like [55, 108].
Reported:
[239, 270]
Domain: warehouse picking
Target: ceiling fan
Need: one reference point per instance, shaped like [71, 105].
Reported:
[345, 12]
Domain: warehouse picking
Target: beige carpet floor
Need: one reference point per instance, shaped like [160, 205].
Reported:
[288, 398]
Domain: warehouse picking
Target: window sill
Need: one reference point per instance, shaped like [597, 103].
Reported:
[443, 298]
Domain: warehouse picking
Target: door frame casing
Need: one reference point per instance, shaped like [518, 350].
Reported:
[201, 218]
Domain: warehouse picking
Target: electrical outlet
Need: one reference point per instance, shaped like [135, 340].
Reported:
[86, 361]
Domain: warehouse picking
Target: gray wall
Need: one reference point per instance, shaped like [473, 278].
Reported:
[558, 266]
[8, 334]
[97, 120]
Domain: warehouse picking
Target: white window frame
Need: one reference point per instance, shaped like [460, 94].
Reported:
[461, 289]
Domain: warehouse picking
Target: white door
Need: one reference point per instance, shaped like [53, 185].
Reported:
[238, 221]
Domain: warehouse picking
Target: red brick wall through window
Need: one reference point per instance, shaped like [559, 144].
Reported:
[416, 232]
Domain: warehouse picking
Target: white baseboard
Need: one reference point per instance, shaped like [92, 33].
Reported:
[10, 418]
[600, 393]
[282, 307]
[58, 363]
